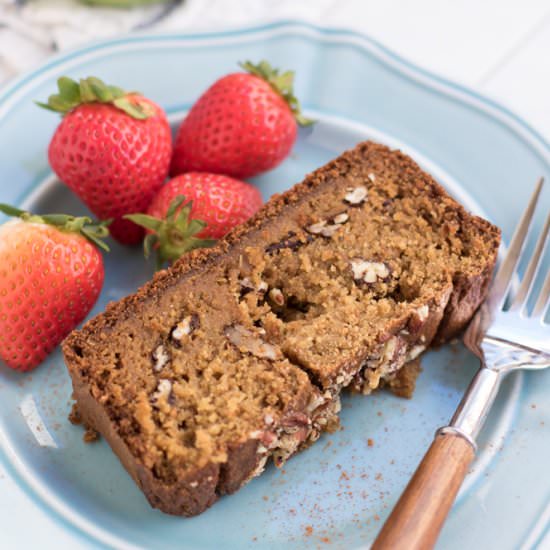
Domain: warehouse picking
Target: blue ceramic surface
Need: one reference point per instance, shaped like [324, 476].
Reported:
[59, 491]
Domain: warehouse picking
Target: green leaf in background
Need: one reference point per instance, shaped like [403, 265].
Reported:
[122, 3]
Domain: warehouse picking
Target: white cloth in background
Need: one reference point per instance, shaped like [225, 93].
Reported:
[31, 30]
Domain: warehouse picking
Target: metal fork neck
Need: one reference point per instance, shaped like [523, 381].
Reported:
[498, 358]
[476, 403]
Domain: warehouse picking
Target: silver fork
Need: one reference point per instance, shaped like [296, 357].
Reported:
[504, 340]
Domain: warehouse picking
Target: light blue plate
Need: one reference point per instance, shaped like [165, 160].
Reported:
[342, 489]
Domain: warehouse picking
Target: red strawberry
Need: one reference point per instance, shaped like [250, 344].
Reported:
[244, 124]
[219, 202]
[112, 149]
[50, 278]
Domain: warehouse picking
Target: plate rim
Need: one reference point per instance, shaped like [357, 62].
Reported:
[462, 94]
[458, 91]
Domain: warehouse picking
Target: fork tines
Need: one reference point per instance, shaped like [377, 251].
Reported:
[503, 278]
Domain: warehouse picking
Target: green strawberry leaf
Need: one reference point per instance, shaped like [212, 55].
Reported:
[116, 91]
[69, 89]
[45, 106]
[183, 215]
[94, 238]
[283, 84]
[64, 220]
[195, 226]
[174, 205]
[71, 94]
[101, 90]
[149, 243]
[11, 210]
[135, 110]
[149, 222]
[174, 235]
[95, 232]
[194, 243]
[87, 94]
[304, 121]
[59, 104]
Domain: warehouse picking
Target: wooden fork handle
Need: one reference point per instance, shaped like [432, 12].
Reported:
[417, 518]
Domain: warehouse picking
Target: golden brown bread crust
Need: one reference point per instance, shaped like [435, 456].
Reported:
[467, 295]
[180, 498]
[447, 318]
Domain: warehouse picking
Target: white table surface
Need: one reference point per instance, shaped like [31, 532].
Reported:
[498, 47]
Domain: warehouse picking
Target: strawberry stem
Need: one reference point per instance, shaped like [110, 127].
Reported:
[282, 83]
[83, 225]
[93, 90]
[174, 235]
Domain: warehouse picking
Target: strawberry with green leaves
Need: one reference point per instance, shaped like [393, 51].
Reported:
[112, 148]
[244, 124]
[51, 274]
[216, 205]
